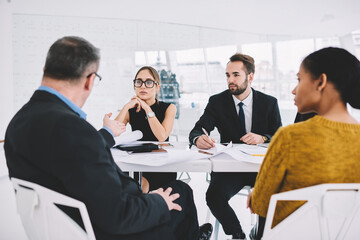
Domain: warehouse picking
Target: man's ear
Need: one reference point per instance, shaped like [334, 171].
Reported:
[89, 82]
[322, 82]
[251, 77]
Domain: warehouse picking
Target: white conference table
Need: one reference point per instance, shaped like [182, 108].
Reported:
[199, 165]
[219, 163]
[225, 163]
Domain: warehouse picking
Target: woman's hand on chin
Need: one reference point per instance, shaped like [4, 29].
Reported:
[143, 104]
[134, 102]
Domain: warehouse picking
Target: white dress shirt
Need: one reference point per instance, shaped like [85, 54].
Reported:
[247, 107]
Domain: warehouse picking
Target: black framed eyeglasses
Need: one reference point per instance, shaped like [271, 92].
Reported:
[148, 83]
[97, 78]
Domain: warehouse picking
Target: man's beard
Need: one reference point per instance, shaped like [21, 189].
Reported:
[239, 89]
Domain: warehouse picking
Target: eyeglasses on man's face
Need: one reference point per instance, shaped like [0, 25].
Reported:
[148, 83]
[97, 78]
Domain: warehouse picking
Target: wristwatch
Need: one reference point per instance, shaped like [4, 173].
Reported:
[265, 138]
[150, 114]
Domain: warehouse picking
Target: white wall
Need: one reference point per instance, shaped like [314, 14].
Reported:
[10, 223]
[117, 39]
[6, 63]
[275, 18]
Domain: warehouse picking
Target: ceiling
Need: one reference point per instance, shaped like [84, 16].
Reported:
[275, 19]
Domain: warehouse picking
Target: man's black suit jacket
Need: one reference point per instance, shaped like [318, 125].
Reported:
[221, 113]
[48, 143]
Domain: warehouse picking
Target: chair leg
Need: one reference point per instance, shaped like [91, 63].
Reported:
[253, 220]
[187, 179]
[216, 231]
[207, 219]
[208, 177]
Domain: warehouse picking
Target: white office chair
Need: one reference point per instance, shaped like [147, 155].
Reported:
[42, 219]
[332, 211]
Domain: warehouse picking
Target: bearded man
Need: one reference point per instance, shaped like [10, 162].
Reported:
[241, 115]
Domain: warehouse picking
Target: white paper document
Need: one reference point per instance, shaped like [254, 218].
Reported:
[156, 158]
[209, 153]
[251, 149]
[247, 153]
[128, 137]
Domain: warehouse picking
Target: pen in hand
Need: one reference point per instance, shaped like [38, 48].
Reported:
[206, 133]
[206, 141]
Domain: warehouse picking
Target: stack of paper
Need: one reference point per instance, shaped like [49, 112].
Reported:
[218, 149]
[156, 159]
[128, 137]
[247, 153]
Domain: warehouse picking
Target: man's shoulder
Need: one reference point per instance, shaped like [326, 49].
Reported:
[222, 95]
[67, 124]
[59, 112]
[47, 102]
[263, 96]
[45, 109]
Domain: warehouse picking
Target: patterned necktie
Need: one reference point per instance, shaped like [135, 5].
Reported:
[242, 119]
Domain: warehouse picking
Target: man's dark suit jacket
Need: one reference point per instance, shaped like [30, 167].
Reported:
[221, 113]
[48, 143]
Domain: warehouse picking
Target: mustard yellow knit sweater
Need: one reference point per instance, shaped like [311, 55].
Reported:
[305, 154]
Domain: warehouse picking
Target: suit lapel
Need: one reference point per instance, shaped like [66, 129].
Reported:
[255, 112]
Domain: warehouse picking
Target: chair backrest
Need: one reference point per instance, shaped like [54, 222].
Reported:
[332, 211]
[43, 220]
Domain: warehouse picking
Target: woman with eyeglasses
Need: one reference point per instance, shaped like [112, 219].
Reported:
[153, 118]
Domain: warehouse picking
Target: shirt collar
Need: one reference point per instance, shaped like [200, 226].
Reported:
[68, 102]
[247, 101]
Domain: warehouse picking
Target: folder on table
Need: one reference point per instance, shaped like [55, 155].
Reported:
[138, 147]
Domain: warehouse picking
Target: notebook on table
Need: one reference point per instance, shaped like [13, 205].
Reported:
[138, 147]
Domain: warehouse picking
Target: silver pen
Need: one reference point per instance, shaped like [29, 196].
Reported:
[206, 133]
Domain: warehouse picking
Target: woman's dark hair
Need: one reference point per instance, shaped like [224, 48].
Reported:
[152, 71]
[341, 68]
[155, 75]
[69, 57]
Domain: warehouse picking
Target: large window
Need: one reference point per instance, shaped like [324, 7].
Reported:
[201, 71]
[156, 59]
[264, 67]
[192, 76]
[217, 59]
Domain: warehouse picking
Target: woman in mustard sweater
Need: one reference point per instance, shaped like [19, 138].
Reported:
[323, 149]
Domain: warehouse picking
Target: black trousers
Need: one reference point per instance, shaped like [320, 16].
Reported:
[183, 225]
[223, 186]
[156, 179]
[159, 179]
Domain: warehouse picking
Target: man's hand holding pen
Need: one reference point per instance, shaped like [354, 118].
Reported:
[205, 141]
